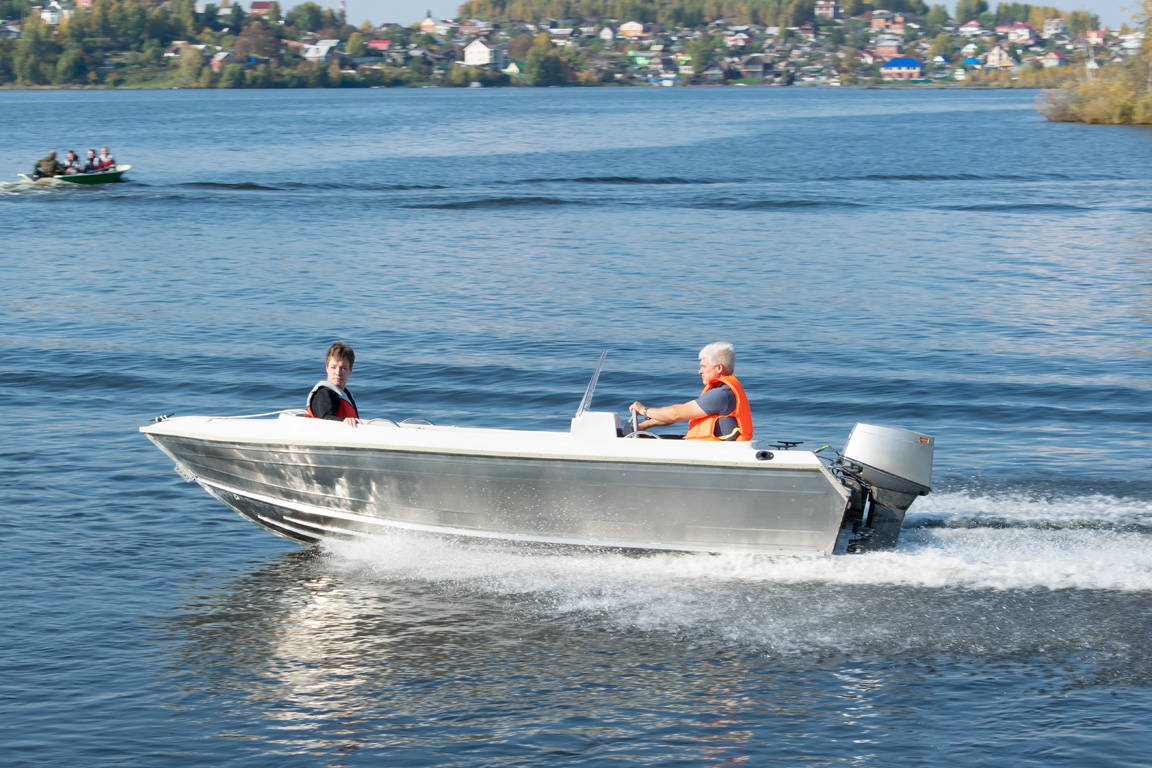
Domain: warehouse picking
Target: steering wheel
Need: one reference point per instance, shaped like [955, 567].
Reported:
[636, 433]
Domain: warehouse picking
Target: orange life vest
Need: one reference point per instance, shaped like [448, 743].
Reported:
[704, 428]
[346, 409]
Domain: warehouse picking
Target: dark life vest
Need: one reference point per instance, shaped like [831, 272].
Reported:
[347, 407]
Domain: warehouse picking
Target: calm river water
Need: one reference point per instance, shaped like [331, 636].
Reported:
[939, 260]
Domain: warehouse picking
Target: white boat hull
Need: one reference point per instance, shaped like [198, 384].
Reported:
[309, 480]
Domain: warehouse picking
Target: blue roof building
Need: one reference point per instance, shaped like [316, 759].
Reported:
[902, 69]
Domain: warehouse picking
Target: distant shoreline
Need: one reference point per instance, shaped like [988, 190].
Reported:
[885, 87]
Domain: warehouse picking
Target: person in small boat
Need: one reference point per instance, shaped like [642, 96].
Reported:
[330, 399]
[720, 413]
[48, 167]
[107, 159]
[93, 164]
[73, 164]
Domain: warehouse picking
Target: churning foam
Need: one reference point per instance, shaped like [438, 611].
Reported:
[1032, 510]
[1031, 582]
[964, 541]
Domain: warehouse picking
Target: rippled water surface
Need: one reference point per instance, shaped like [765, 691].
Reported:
[939, 260]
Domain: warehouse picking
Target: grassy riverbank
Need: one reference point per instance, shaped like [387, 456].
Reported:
[1118, 96]
[1113, 95]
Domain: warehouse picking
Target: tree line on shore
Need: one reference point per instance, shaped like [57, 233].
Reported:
[131, 43]
[1116, 95]
[772, 13]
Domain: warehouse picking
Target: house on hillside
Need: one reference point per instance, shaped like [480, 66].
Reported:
[52, 13]
[475, 28]
[971, 29]
[482, 53]
[562, 35]
[1053, 27]
[713, 74]
[999, 58]
[827, 9]
[753, 66]
[632, 29]
[902, 69]
[1054, 59]
[1021, 33]
[221, 59]
[321, 51]
[888, 48]
[889, 20]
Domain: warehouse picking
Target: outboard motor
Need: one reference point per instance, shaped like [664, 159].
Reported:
[892, 467]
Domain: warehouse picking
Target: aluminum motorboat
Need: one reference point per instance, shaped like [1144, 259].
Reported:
[596, 484]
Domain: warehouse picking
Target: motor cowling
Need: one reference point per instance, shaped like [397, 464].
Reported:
[896, 466]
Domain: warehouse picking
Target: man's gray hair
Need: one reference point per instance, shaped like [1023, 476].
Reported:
[720, 353]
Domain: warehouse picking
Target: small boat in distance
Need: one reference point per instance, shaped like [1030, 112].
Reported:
[103, 177]
[594, 485]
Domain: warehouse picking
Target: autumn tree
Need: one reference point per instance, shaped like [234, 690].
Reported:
[257, 40]
[1119, 94]
[938, 16]
[356, 46]
[236, 19]
[704, 50]
[191, 62]
[183, 16]
[306, 17]
[967, 10]
[941, 46]
[35, 52]
[70, 67]
[518, 47]
[232, 77]
[543, 65]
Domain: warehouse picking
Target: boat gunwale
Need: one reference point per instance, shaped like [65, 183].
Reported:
[801, 460]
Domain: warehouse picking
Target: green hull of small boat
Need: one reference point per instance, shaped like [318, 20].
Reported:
[107, 177]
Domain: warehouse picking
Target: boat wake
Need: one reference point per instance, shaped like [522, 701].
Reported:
[1059, 577]
[968, 542]
[498, 202]
[617, 180]
[22, 187]
[960, 541]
